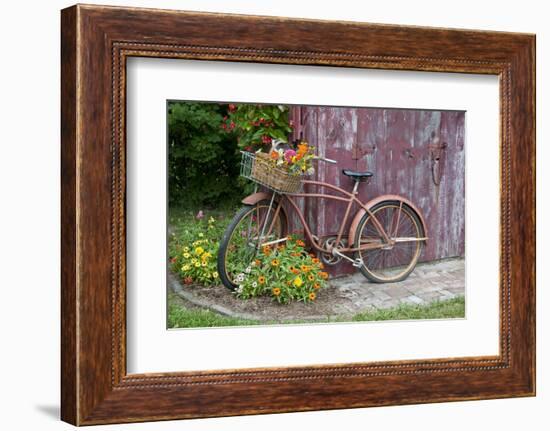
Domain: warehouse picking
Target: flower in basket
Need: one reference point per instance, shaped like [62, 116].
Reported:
[296, 161]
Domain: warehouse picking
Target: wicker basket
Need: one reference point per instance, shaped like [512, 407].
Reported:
[264, 172]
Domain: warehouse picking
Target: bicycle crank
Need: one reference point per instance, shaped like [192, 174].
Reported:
[331, 258]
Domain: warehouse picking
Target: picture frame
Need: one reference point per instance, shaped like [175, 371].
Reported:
[96, 41]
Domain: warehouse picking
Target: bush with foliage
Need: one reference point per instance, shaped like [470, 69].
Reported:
[257, 125]
[286, 272]
[203, 160]
[194, 250]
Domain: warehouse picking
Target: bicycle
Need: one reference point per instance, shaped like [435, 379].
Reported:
[384, 241]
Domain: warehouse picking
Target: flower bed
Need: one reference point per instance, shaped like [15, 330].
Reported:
[286, 272]
[194, 252]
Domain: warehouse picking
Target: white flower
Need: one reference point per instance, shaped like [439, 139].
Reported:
[254, 284]
[253, 264]
[240, 289]
[240, 277]
[247, 270]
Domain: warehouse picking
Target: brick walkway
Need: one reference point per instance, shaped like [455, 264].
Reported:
[429, 282]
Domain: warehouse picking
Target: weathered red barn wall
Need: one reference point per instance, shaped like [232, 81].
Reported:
[400, 147]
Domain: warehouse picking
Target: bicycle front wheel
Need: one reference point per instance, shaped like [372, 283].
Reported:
[389, 263]
[242, 239]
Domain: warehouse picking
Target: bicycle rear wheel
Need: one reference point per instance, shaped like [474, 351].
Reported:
[243, 237]
[390, 263]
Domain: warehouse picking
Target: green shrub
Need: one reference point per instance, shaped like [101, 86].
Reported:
[257, 125]
[203, 160]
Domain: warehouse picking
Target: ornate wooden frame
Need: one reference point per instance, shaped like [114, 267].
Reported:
[95, 42]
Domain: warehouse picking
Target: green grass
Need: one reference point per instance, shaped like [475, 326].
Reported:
[181, 317]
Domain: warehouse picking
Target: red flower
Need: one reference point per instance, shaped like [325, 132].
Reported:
[266, 139]
[188, 280]
[173, 260]
[232, 108]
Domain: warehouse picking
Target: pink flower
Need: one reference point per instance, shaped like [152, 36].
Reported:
[232, 108]
[200, 215]
[289, 154]
[266, 139]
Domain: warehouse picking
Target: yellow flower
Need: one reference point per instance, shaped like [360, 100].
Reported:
[275, 262]
[298, 281]
[186, 249]
[208, 275]
[201, 235]
[312, 296]
[186, 255]
[215, 274]
[199, 251]
[204, 263]
[197, 265]
[211, 220]
[185, 268]
[194, 260]
[276, 291]
[310, 277]
[261, 279]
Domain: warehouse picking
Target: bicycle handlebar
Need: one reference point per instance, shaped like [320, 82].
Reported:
[327, 160]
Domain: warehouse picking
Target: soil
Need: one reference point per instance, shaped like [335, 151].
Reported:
[222, 300]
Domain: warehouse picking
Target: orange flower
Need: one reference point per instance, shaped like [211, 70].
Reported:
[300, 243]
[296, 254]
[315, 260]
[294, 270]
[267, 250]
[311, 277]
[321, 265]
[312, 296]
[304, 268]
[257, 261]
[274, 155]
[302, 149]
[276, 291]
[323, 275]
[261, 279]
[316, 286]
[275, 262]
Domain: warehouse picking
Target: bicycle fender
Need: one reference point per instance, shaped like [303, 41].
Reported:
[359, 215]
[254, 198]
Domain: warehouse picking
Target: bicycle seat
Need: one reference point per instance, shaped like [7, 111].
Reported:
[357, 176]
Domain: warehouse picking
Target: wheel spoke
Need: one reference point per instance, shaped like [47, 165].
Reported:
[395, 260]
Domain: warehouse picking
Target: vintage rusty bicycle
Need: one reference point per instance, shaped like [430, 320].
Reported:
[384, 241]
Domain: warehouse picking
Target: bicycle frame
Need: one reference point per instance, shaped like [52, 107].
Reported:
[349, 198]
